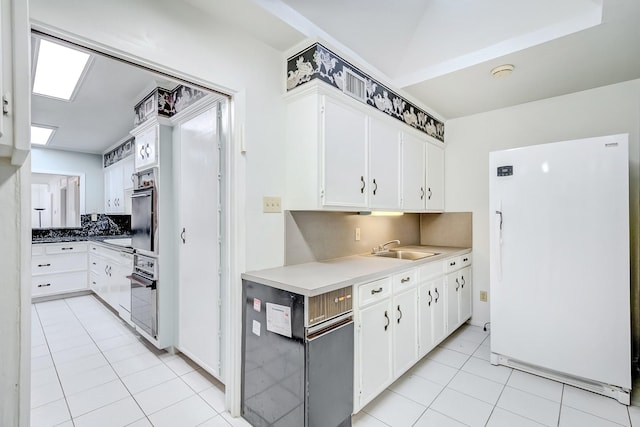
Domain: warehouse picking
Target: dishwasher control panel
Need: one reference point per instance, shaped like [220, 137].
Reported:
[329, 305]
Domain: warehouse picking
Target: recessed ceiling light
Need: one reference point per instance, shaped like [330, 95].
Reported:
[502, 70]
[41, 135]
[58, 70]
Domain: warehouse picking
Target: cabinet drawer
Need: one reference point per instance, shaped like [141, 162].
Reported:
[58, 263]
[65, 248]
[452, 264]
[430, 270]
[465, 260]
[405, 279]
[374, 291]
[58, 283]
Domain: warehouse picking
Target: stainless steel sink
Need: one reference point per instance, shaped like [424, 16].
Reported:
[409, 255]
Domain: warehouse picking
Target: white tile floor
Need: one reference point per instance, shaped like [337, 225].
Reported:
[455, 385]
[89, 369]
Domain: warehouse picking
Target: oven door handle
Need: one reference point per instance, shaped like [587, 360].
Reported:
[133, 196]
[143, 281]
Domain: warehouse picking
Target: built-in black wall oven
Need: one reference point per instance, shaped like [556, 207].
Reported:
[144, 294]
[144, 212]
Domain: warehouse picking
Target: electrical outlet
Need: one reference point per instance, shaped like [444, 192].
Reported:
[483, 296]
[357, 234]
[94, 217]
[271, 204]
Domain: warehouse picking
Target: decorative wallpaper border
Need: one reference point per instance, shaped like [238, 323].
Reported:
[122, 151]
[166, 103]
[330, 68]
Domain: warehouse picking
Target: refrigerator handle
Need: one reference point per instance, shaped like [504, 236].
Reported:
[499, 266]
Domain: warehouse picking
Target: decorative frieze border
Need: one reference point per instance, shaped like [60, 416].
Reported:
[165, 103]
[330, 68]
[120, 152]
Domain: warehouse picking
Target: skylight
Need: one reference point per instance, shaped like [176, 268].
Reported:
[58, 70]
[41, 135]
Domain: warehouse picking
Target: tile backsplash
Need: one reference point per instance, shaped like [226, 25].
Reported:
[314, 236]
[446, 229]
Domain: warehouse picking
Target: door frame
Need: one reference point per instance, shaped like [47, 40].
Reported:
[233, 247]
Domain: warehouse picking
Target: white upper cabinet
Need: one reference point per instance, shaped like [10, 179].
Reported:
[384, 165]
[344, 146]
[343, 155]
[413, 173]
[146, 146]
[435, 178]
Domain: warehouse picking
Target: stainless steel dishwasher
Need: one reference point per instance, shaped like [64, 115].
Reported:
[297, 358]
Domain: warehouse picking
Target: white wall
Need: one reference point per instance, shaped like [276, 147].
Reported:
[67, 162]
[603, 111]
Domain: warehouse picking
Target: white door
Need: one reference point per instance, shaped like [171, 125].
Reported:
[426, 303]
[384, 161]
[199, 246]
[405, 332]
[375, 349]
[435, 178]
[414, 191]
[453, 291]
[345, 155]
[439, 328]
[465, 293]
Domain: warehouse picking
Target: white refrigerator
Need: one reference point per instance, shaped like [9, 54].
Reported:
[559, 262]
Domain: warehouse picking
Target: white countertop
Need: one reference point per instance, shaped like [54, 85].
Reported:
[315, 278]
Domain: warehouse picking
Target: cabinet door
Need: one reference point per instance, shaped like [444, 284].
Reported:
[374, 345]
[127, 173]
[405, 332]
[384, 165]
[113, 189]
[413, 173]
[438, 311]
[435, 178]
[453, 296]
[146, 148]
[345, 155]
[466, 290]
[426, 303]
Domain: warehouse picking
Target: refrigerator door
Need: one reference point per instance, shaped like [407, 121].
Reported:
[559, 248]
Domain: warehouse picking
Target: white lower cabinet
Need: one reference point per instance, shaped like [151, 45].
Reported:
[58, 268]
[401, 318]
[108, 271]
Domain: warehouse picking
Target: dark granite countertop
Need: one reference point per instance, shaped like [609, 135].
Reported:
[61, 239]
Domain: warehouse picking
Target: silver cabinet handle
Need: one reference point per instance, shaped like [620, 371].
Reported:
[363, 185]
[430, 193]
[421, 193]
[463, 281]
[457, 284]
[376, 291]
[430, 298]
[44, 285]
[437, 295]
[375, 186]
[451, 264]
[44, 265]
[388, 321]
[405, 279]
[399, 311]
[182, 236]
[67, 249]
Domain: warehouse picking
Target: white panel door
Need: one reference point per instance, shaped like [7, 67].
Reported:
[199, 246]
[466, 290]
[437, 320]
[384, 161]
[345, 155]
[453, 296]
[560, 257]
[435, 178]
[375, 352]
[405, 331]
[414, 191]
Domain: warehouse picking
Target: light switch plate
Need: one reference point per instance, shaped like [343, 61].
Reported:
[357, 234]
[483, 296]
[271, 204]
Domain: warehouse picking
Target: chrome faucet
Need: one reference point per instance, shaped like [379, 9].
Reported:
[383, 247]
